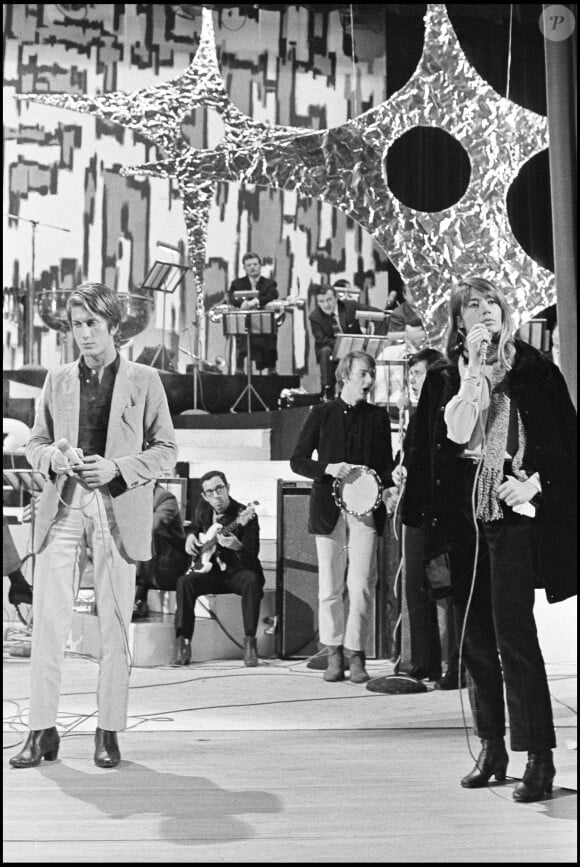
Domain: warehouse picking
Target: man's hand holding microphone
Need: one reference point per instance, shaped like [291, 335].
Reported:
[93, 470]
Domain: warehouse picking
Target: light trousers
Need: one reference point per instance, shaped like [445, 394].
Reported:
[350, 548]
[84, 520]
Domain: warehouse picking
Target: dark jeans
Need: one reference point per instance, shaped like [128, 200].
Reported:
[244, 583]
[429, 646]
[501, 634]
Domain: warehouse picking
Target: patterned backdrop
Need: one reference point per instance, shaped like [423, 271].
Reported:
[194, 135]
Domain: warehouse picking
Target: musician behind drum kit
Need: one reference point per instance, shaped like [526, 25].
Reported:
[354, 461]
[252, 293]
[224, 543]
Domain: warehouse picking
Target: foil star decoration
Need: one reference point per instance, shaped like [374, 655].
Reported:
[345, 166]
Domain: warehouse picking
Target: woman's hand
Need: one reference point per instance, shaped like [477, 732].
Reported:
[399, 475]
[476, 343]
[515, 492]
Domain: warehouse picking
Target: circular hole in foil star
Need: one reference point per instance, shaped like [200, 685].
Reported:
[529, 210]
[427, 169]
[202, 128]
[500, 39]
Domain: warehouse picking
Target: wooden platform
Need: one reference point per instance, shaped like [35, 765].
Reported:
[273, 765]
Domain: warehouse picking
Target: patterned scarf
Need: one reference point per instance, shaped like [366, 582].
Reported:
[492, 474]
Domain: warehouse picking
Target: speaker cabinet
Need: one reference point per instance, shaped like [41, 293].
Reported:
[296, 573]
[297, 576]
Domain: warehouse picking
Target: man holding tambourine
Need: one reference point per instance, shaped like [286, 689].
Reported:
[353, 465]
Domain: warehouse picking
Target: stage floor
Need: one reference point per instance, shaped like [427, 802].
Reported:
[227, 764]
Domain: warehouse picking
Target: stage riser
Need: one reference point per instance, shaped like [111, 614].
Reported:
[151, 642]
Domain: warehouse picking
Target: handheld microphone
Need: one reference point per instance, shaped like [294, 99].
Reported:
[65, 447]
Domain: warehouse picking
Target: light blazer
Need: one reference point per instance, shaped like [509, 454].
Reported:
[140, 439]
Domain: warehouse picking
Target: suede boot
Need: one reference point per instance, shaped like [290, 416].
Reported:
[335, 670]
[358, 672]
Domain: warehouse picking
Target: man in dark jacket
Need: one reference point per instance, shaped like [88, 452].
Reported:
[263, 347]
[224, 543]
[346, 433]
[330, 317]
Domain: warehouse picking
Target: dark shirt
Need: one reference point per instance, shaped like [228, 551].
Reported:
[95, 406]
[354, 422]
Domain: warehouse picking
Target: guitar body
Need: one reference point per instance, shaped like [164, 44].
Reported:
[204, 562]
[207, 556]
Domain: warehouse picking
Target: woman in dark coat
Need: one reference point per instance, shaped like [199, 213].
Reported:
[492, 479]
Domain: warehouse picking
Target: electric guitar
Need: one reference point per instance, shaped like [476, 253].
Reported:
[204, 557]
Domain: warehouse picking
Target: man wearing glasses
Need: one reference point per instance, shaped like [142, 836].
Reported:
[224, 544]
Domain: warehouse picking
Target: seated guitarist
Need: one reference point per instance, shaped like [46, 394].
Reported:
[224, 543]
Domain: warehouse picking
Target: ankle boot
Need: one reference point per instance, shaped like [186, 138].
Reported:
[492, 761]
[40, 744]
[182, 651]
[538, 777]
[335, 669]
[358, 672]
[107, 754]
[250, 652]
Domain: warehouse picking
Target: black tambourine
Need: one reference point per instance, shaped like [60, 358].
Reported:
[360, 493]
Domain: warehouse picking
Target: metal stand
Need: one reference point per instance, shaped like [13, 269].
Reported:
[195, 361]
[238, 322]
[29, 306]
[163, 277]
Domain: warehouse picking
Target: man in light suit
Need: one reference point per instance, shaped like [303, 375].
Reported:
[114, 417]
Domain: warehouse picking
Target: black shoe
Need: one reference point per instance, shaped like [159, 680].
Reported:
[492, 761]
[450, 680]
[250, 652]
[537, 779]
[40, 744]
[140, 610]
[107, 753]
[182, 651]
[20, 593]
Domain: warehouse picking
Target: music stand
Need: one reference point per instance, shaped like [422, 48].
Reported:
[346, 343]
[248, 322]
[163, 277]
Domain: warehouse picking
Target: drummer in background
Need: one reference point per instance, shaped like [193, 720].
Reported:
[405, 319]
[263, 347]
[345, 432]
